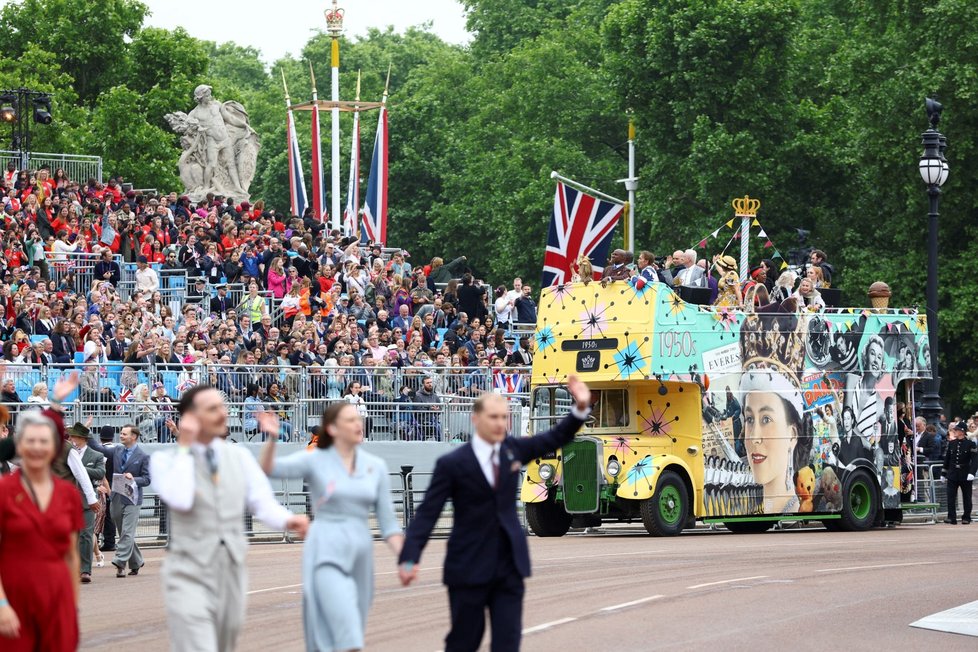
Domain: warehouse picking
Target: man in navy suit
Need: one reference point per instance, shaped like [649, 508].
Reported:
[132, 463]
[487, 555]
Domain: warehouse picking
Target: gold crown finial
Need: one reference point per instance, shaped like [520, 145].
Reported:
[334, 20]
[745, 206]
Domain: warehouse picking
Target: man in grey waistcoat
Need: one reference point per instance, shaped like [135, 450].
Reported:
[208, 485]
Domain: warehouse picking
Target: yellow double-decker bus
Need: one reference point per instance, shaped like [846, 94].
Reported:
[721, 415]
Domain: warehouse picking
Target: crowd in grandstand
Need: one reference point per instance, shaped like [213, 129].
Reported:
[151, 294]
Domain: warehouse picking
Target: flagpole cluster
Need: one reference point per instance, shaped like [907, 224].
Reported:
[374, 210]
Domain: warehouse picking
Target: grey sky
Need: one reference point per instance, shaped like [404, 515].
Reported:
[279, 28]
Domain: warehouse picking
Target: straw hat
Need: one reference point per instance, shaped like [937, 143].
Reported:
[726, 264]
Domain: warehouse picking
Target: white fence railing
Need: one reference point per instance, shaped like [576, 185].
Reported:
[78, 167]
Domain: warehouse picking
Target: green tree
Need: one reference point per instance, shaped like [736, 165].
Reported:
[129, 144]
[87, 36]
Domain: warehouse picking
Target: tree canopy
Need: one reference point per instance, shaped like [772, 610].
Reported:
[814, 106]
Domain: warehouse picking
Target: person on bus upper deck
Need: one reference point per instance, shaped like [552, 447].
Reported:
[617, 268]
[818, 259]
[691, 275]
[648, 270]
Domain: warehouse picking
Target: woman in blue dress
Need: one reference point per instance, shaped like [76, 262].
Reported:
[345, 484]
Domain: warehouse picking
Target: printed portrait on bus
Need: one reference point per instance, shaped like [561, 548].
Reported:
[777, 428]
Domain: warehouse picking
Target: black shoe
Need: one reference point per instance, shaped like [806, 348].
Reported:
[135, 571]
[950, 521]
[966, 521]
[120, 571]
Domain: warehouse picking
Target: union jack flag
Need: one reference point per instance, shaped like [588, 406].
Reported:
[581, 225]
[124, 397]
[375, 207]
[508, 383]
[186, 384]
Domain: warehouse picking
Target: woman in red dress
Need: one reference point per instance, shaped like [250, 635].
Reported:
[40, 516]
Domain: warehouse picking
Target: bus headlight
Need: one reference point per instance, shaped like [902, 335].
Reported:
[614, 468]
[546, 472]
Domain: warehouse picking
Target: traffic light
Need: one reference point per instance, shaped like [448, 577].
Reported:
[42, 109]
[8, 112]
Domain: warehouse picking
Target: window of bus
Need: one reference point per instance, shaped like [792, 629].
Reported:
[609, 408]
[549, 405]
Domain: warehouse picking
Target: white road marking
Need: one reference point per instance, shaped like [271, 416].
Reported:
[545, 626]
[736, 579]
[853, 568]
[273, 588]
[633, 603]
[959, 620]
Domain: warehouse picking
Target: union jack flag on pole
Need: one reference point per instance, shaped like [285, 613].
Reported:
[297, 184]
[375, 207]
[582, 225]
[318, 179]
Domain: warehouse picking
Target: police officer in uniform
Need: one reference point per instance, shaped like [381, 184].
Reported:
[960, 466]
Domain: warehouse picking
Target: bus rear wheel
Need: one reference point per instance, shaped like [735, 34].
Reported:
[666, 512]
[860, 502]
[748, 527]
[547, 518]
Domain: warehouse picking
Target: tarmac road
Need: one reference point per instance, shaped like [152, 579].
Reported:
[622, 590]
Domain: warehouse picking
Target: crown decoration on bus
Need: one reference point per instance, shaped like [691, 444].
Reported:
[745, 206]
[776, 340]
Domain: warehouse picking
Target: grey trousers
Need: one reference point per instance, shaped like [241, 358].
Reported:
[205, 606]
[86, 546]
[125, 516]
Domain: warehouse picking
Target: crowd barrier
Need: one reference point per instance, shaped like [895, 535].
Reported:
[77, 166]
[112, 394]
[408, 489]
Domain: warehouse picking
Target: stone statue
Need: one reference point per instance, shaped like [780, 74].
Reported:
[220, 149]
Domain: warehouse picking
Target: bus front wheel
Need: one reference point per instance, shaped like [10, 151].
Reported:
[665, 513]
[547, 518]
[860, 502]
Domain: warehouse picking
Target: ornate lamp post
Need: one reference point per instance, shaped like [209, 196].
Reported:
[334, 26]
[934, 171]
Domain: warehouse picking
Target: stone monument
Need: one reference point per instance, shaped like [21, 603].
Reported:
[220, 149]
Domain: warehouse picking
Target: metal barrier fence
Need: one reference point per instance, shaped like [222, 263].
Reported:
[78, 167]
[408, 489]
[111, 394]
[78, 268]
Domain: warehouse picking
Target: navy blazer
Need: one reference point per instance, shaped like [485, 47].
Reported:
[481, 514]
[138, 464]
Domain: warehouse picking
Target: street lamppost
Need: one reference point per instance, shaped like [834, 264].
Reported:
[934, 170]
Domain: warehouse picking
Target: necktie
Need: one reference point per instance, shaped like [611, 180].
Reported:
[211, 458]
[125, 456]
[495, 468]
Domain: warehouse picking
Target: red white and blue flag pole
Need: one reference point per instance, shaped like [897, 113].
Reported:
[318, 181]
[297, 184]
[350, 221]
[375, 206]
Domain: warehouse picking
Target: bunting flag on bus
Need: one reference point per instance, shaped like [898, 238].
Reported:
[350, 221]
[297, 184]
[318, 180]
[582, 225]
[375, 206]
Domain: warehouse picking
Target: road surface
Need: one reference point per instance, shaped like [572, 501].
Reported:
[622, 590]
